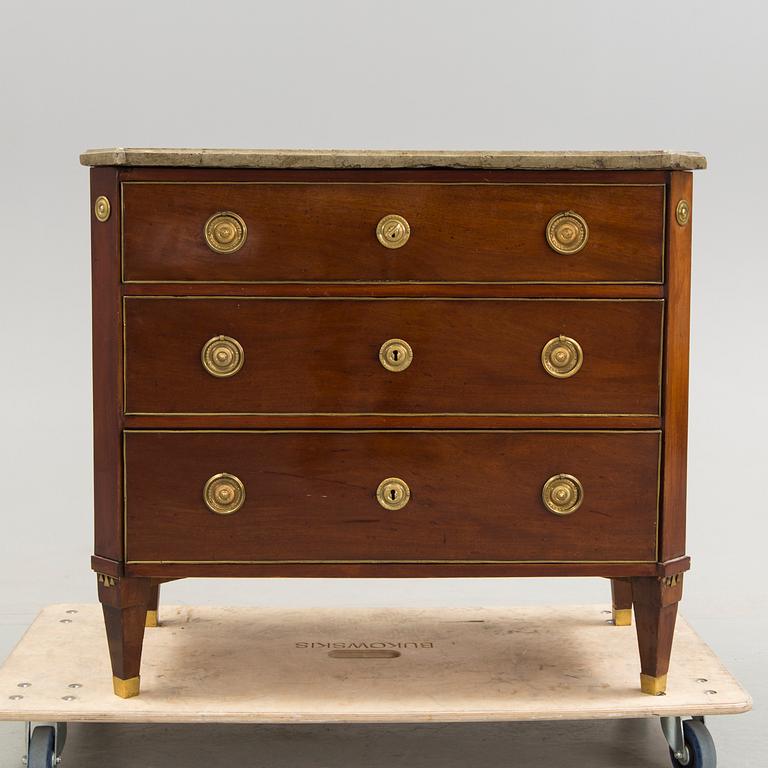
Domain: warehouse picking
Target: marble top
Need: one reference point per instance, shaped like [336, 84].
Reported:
[656, 159]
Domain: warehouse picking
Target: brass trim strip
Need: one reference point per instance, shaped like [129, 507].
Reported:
[393, 282]
[658, 494]
[126, 412]
[127, 432]
[503, 430]
[399, 413]
[389, 562]
[389, 282]
[662, 353]
[235, 297]
[408, 183]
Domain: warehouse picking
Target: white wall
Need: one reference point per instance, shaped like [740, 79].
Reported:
[437, 75]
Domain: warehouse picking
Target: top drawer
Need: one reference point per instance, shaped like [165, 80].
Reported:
[311, 232]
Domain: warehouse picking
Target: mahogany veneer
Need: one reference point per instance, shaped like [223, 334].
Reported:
[470, 356]
[476, 496]
[462, 232]
[313, 425]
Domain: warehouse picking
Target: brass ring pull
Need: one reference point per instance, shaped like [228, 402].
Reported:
[396, 355]
[224, 494]
[567, 232]
[393, 493]
[225, 232]
[393, 231]
[222, 356]
[562, 494]
[562, 357]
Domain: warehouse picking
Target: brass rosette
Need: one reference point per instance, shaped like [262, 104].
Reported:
[102, 208]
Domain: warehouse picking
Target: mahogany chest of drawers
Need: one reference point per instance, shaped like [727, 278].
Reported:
[363, 364]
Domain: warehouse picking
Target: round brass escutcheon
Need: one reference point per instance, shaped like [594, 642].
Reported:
[393, 493]
[683, 212]
[222, 356]
[225, 232]
[562, 494]
[393, 231]
[396, 355]
[102, 208]
[567, 232]
[562, 357]
[224, 494]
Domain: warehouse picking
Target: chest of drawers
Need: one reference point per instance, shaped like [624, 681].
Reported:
[376, 364]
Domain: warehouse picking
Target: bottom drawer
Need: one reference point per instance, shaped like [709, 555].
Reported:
[236, 496]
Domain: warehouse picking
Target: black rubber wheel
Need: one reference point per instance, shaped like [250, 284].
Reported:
[42, 749]
[701, 746]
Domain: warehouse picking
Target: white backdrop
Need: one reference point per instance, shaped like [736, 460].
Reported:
[421, 75]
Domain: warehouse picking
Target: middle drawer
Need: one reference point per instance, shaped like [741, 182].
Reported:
[392, 356]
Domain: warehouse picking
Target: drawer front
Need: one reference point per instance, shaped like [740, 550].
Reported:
[312, 496]
[328, 356]
[310, 232]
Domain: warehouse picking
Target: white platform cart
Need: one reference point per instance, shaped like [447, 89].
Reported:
[251, 665]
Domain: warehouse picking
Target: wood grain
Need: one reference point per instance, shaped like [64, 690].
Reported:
[409, 570]
[107, 367]
[124, 605]
[310, 232]
[311, 496]
[311, 296]
[655, 603]
[675, 376]
[321, 356]
[412, 290]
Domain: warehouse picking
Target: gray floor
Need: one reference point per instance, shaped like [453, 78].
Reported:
[627, 743]
[607, 744]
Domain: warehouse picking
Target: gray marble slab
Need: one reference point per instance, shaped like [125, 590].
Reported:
[350, 158]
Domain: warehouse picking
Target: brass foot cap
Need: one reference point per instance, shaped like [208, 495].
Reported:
[653, 686]
[622, 617]
[152, 620]
[126, 689]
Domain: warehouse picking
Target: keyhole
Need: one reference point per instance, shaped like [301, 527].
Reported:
[393, 494]
[395, 354]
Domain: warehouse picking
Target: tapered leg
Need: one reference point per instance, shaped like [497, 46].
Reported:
[153, 606]
[655, 600]
[621, 599]
[124, 602]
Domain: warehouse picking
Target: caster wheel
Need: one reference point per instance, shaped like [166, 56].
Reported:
[42, 749]
[701, 747]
